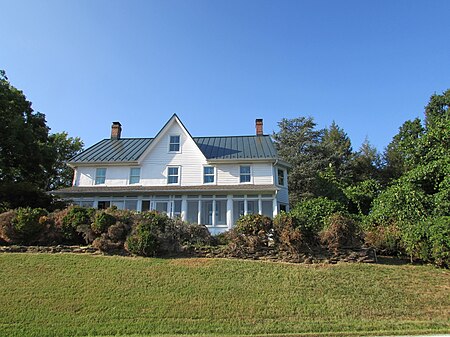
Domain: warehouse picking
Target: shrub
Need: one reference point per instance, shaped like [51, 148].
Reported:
[385, 240]
[118, 231]
[106, 245]
[253, 224]
[74, 222]
[312, 213]
[251, 233]
[102, 221]
[428, 240]
[341, 232]
[287, 233]
[222, 239]
[193, 234]
[6, 230]
[143, 241]
[149, 237]
[25, 226]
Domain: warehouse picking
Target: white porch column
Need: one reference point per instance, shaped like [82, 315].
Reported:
[245, 205]
[213, 220]
[229, 211]
[95, 202]
[275, 207]
[199, 215]
[259, 205]
[183, 207]
[139, 204]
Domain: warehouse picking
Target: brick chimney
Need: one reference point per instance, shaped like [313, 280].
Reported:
[116, 130]
[259, 127]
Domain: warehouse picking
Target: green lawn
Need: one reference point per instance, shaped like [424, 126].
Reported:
[78, 295]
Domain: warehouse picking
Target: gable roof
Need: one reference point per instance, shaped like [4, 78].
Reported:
[132, 150]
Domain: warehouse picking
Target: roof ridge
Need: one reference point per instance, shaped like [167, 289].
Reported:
[248, 136]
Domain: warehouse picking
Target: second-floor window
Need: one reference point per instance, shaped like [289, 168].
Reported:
[280, 174]
[173, 175]
[100, 176]
[135, 175]
[174, 144]
[208, 174]
[245, 174]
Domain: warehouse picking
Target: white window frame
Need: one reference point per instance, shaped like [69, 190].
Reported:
[250, 174]
[179, 143]
[178, 175]
[97, 176]
[283, 176]
[130, 176]
[209, 175]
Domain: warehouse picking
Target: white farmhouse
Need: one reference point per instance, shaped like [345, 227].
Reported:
[205, 180]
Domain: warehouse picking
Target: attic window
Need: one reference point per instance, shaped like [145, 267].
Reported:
[174, 144]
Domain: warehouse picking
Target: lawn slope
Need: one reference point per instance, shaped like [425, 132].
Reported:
[78, 295]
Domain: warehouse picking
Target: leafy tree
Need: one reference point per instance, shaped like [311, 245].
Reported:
[25, 153]
[367, 163]
[401, 154]
[298, 143]
[338, 151]
[64, 148]
[31, 160]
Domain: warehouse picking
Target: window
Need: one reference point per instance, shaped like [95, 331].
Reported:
[245, 174]
[103, 204]
[174, 144]
[135, 175]
[100, 176]
[280, 175]
[173, 175]
[208, 174]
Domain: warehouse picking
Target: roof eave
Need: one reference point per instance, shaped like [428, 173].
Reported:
[102, 163]
[241, 160]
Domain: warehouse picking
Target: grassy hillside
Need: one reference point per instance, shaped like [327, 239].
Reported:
[76, 295]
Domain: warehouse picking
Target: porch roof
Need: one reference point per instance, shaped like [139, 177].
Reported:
[120, 190]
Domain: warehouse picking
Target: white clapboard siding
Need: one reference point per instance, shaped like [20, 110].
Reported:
[229, 174]
[191, 160]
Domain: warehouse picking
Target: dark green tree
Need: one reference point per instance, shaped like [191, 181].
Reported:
[25, 153]
[298, 143]
[31, 160]
[64, 148]
[338, 151]
[402, 153]
[366, 164]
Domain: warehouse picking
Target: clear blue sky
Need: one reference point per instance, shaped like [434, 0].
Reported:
[368, 65]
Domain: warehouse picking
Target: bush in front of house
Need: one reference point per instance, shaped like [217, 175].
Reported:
[312, 214]
[75, 222]
[251, 233]
[341, 232]
[152, 235]
[102, 221]
[288, 234]
[23, 225]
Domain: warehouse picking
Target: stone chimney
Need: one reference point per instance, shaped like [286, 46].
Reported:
[259, 127]
[116, 130]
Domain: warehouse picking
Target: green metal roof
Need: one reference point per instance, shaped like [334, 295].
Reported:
[113, 150]
[237, 147]
[214, 148]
